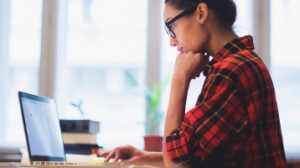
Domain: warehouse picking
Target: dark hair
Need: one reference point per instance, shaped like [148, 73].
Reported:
[225, 10]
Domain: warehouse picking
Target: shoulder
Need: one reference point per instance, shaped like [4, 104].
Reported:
[240, 62]
[241, 67]
[239, 59]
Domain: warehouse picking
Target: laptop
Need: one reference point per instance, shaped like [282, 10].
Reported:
[43, 134]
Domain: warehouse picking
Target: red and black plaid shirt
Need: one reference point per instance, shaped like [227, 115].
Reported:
[235, 122]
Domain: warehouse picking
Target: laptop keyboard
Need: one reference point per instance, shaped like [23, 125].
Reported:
[70, 164]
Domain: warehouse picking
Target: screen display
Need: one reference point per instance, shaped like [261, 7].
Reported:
[42, 127]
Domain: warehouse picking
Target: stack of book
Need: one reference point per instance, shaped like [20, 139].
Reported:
[80, 136]
[10, 154]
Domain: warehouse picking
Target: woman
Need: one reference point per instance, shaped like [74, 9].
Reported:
[235, 122]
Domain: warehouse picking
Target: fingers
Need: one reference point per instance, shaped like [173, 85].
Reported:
[117, 157]
[196, 76]
[110, 155]
[122, 152]
[104, 154]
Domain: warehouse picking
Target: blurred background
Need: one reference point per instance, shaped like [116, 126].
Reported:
[106, 54]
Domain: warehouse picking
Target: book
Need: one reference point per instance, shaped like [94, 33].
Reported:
[80, 126]
[9, 150]
[85, 149]
[10, 154]
[79, 138]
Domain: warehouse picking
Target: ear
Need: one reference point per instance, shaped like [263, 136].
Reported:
[202, 12]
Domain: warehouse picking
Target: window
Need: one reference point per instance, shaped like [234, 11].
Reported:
[21, 60]
[104, 62]
[244, 20]
[105, 67]
[285, 61]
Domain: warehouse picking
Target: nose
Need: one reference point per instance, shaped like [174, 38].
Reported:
[173, 42]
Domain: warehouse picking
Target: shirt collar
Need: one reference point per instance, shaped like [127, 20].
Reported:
[234, 46]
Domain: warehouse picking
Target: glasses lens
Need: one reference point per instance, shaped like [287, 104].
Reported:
[169, 31]
[184, 13]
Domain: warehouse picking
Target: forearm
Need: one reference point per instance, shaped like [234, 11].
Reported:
[177, 101]
[176, 110]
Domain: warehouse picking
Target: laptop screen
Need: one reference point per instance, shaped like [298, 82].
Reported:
[42, 129]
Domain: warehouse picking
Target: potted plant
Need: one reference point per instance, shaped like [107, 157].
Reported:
[154, 116]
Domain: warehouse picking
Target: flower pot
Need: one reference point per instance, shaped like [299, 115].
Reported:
[153, 143]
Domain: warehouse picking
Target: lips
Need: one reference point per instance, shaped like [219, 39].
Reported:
[180, 50]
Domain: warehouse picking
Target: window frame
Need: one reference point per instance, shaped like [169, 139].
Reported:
[4, 60]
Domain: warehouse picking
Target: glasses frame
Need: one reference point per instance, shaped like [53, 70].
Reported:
[180, 15]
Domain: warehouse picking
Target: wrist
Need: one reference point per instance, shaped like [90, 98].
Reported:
[155, 158]
[181, 79]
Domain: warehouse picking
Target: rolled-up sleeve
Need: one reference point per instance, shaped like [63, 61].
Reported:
[206, 126]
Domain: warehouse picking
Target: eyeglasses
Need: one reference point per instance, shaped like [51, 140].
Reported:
[168, 23]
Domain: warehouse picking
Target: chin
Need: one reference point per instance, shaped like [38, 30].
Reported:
[201, 51]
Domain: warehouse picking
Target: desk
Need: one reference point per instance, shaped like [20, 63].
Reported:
[98, 162]
[104, 165]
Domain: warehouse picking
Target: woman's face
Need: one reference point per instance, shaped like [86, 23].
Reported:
[190, 33]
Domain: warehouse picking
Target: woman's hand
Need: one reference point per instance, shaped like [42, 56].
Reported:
[189, 65]
[124, 154]
[130, 155]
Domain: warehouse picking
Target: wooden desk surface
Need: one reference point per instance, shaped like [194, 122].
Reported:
[18, 165]
[103, 165]
[14, 160]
